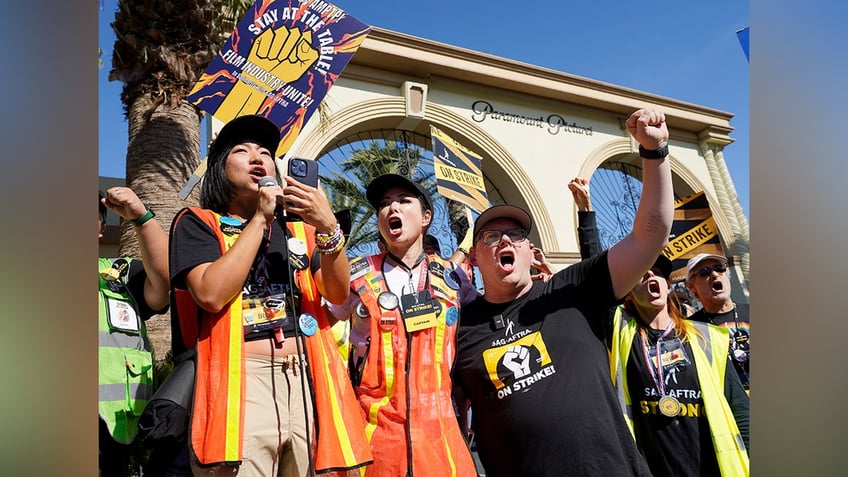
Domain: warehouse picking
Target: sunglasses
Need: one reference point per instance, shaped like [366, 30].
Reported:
[491, 237]
[718, 268]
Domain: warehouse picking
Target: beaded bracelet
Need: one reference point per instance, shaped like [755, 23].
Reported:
[322, 238]
[330, 243]
[331, 249]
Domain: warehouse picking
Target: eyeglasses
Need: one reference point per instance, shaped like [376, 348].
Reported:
[491, 237]
[718, 268]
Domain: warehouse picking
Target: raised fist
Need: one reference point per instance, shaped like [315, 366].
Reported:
[648, 127]
[517, 360]
[285, 53]
[282, 53]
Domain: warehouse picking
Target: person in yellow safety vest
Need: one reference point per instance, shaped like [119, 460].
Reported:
[684, 403]
[247, 292]
[404, 312]
[130, 292]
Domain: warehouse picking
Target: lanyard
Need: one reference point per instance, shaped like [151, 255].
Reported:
[660, 384]
[424, 276]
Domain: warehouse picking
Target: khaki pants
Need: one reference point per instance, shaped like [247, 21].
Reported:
[274, 427]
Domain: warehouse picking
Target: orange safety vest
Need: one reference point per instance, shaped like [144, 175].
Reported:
[217, 423]
[405, 390]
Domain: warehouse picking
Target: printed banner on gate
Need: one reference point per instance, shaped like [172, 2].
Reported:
[458, 173]
[279, 62]
[693, 231]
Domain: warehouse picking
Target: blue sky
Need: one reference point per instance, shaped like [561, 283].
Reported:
[687, 51]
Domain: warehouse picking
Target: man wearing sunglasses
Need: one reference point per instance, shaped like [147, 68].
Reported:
[708, 279]
[531, 356]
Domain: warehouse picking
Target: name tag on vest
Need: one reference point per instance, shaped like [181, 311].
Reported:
[418, 311]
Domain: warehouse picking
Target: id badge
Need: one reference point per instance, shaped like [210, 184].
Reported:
[122, 315]
[418, 311]
[672, 356]
[260, 313]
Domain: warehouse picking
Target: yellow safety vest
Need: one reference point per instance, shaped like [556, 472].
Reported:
[125, 371]
[710, 364]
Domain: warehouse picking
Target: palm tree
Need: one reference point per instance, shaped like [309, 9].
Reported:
[346, 187]
[162, 48]
[346, 180]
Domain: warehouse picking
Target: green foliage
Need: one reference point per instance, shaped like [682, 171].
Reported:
[346, 188]
[162, 47]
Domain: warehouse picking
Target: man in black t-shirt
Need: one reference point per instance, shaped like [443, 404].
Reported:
[708, 278]
[531, 357]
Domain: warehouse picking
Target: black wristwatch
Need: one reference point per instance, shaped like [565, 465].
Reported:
[658, 153]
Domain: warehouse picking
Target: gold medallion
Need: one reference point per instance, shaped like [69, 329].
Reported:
[669, 406]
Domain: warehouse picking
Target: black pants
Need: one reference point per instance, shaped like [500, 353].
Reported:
[114, 457]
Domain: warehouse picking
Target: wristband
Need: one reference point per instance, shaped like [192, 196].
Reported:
[144, 218]
[658, 153]
[332, 248]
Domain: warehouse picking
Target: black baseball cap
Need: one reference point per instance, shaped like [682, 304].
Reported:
[503, 212]
[664, 265]
[254, 127]
[380, 184]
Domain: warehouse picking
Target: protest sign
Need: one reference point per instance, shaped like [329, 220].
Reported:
[458, 173]
[693, 231]
[279, 62]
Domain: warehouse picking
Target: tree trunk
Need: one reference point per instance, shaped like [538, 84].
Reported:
[162, 153]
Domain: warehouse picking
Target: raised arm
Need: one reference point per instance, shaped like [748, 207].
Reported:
[633, 255]
[152, 242]
[214, 284]
[333, 278]
[587, 228]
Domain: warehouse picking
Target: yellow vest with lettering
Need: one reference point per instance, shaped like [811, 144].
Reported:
[710, 365]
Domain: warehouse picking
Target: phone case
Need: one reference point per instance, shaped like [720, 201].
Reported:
[304, 171]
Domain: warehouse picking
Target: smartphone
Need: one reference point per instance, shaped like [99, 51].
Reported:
[304, 171]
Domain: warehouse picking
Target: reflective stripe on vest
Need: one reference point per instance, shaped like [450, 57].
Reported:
[386, 387]
[712, 342]
[341, 442]
[107, 339]
[217, 420]
[218, 406]
[125, 367]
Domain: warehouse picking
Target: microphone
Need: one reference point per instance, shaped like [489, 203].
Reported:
[268, 181]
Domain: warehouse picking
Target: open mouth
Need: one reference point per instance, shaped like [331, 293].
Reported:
[653, 288]
[257, 172]
[506, 260]
[717, 286]
[395, 225]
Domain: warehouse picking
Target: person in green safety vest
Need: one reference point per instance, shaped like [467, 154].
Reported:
[130, 292]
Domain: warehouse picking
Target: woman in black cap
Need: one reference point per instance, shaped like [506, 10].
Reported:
[404, 310]
[247, 293]
[680, 396]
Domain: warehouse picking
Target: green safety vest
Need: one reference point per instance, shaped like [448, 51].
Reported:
[125, 359]
[710, 356]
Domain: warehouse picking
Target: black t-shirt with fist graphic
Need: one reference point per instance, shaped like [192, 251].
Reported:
[537, 374]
